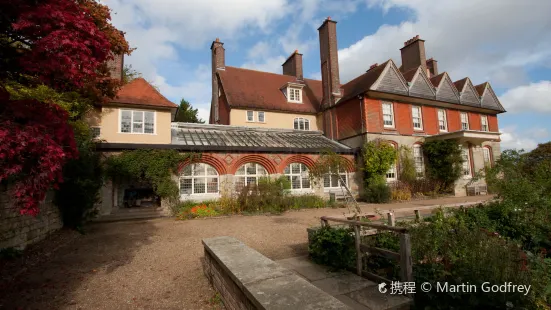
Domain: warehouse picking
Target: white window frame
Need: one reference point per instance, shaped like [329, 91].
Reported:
[442, 122]
[464, 121]
[247, 116]
[487, 156]
[246, 175]
[192, 168]
[301, 121]
[420, 117]
[342, 173]
[143, 122]
[484, 123]
[389, 104]
[419, 160]
[296, 92]
[263, 116]
[466, 165]
[95, 135]
[303, 174]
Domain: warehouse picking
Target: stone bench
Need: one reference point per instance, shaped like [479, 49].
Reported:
[246, 279]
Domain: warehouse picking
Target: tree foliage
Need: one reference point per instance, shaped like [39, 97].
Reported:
[35, 142]
[153, 166]
[444, 161]
[407, 172]
[129, 74]
[186, 113]
[61, 43]
[378, 157]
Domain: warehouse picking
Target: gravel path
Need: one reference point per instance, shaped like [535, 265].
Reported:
[155, 264]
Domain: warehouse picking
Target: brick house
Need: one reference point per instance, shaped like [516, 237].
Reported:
[405, 105]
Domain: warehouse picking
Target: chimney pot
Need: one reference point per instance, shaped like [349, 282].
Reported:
[373, 66]
[293, 65]
[413, 54]
[328, 17]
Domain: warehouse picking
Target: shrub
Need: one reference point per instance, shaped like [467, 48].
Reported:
[444, 161]
[333, 247]
[377, 191]
[203, 211]
[407, 174]
[400, 191]
[378, 157]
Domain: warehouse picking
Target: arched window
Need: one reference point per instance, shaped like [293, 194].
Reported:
[392, 174]
[419, 160]
[301, 124]
[466, 162]
[487, 157]
[198, 179]
[249, 174]
[331, 180]
[298, 175]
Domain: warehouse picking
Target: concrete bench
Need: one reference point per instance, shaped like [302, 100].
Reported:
[246, 279]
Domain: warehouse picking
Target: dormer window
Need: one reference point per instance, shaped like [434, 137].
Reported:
[295, 94]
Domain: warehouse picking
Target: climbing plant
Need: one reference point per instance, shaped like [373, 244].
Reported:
[153, 166]
[444, 161]
[378, 157]
[407, 173]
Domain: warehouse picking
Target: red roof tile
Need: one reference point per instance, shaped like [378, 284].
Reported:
[140, 92]
[246, 88]
[435, 80]
[480, 88]
[460, 84]
[408, 75]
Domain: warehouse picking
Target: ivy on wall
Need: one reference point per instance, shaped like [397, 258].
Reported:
[444, 161]
[153, 166]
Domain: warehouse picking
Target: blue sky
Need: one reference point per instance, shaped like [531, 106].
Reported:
[505, 42]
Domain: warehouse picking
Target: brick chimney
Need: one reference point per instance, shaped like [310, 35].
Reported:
[293, 65]
[329, 63]
[432, 67]
[218, 62]
[116, 66]
[413, 54]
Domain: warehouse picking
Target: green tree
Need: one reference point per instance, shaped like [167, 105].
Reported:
[444, 161]
[187, 114]
[129, 74]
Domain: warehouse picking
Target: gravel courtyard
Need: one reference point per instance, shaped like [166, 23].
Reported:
[153, 264]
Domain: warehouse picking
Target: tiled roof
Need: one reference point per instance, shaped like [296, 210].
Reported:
[362, 83]
[480, 88]
[408, 75]
[246, 88]
[435, 80]
[225, 137]
[140, 92]
[460, 84]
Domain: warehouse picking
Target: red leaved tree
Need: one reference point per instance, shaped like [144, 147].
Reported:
[36, 141]
[63, 44]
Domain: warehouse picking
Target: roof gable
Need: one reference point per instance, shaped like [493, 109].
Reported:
[488, 97]
[391, 80]
[362, 83]
[445, 90]
[468, 94]
[420, 85]
[140, 92]
[246, 88]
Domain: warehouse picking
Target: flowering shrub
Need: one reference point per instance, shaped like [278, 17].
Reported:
[35, 142]
[203, 211]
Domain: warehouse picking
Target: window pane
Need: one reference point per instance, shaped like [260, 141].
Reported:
[296, 125]
[305, 182]
[149, 126]
[295, 182]
[251, 180]
[126, 121]
[287, 170]
[261, 116]
[260, 170]
[326, 181]
[295, 168]
[251, 169]
[185, 186]
[301, 124]
[199, 186]
[212, 185]
[250, 116]
[306, 124]
[137, 122]
[199, 169]
[211, 171]
[187, 170]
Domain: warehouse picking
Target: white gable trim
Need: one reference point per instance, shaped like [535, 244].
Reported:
[424, 76]
[390, 66]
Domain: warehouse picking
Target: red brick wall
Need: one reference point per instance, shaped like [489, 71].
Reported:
[474, 121]
[402, 117]
[374, 115]
[223, 110]
[349, 118]
[430, 120]
[492, 123]
[454, 120]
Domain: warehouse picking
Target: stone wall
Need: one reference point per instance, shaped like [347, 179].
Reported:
[18, 230]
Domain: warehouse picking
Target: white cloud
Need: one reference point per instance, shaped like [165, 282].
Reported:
[535, 97]
[512, 139]
[491, 40]
[270, 64]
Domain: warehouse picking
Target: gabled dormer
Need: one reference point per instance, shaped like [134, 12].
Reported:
[467, 93]
[488, 98]
[445, 89]
[391, 80]
[293, 92]
[419, 83]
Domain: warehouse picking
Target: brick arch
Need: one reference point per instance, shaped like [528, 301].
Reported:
[215, 162]
[349, 165]
[267, 163]
[301, 159]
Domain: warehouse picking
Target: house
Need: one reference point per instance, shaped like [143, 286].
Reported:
[405, 105]
[139, 117]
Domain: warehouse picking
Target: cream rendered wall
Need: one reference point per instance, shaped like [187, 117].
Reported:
[109, 121]
[238, 117]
